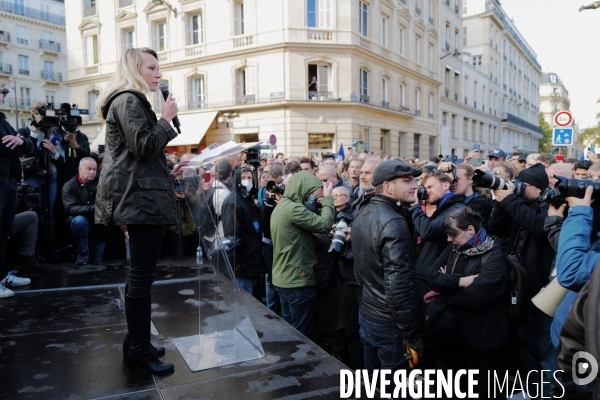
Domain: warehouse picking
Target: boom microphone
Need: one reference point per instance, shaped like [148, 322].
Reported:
[164, 88]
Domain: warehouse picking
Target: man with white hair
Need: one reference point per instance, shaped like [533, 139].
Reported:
[327, 173]
[561, 169]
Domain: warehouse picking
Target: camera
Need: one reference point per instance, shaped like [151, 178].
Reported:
[275, 188]
[489, 181]
[339, 237]
[422, 194]
[177, 185]
[571, 187]
[253, 156]
[67, 116]
[28, 196]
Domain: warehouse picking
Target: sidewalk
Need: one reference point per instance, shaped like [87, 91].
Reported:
[61, 338]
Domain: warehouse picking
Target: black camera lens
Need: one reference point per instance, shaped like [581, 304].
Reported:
[422, 193]
[571, 187]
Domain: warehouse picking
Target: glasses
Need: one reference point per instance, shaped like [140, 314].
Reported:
[453, 234]
[325, 180]
[496, 172]
[339, 194]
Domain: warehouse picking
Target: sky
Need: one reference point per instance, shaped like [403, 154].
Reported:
[566, 42]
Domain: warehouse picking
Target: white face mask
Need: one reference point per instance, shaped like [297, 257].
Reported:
[248, 184]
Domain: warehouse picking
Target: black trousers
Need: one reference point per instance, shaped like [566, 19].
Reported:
[144, 247]
[351, 296]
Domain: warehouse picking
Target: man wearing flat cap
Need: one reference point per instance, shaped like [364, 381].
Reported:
[519, 221]
[384, 265]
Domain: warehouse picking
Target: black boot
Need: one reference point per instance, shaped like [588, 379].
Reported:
[28, 265]
[138, 311]
[158, 351]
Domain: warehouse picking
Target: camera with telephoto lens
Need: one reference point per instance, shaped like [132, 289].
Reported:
[339, 237]
[28, 196]
[275, 188]
[67, 116]
[489, 181]
[422, 194]
[571, 187]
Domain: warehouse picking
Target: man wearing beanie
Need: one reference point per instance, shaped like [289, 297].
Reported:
[520, 223]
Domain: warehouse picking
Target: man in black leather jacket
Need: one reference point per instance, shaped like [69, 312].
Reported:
[384, 265]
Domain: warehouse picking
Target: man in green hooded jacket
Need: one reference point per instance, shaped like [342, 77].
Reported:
[294, 256]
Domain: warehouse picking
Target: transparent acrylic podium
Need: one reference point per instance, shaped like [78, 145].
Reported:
[226, 334]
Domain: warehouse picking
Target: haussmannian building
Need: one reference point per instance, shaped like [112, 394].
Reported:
[33, 56]
[240, 69]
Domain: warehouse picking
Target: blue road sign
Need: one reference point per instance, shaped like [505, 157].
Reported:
[562, 137]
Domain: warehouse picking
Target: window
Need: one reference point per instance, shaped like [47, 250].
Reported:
[417, 103]
[194, 29]
[239, 17]
[50, 97]
[318, 13]
[25, 99]
[432, 151]
[22, 37]
[430, 57]
[402, 96]
[364, 86]
[402, 144]
[464, 7]
[91, 50]
[465, 129]
[473, 130]
[322, 73]
[417, 145]
[24, 65]
[444, 119]
[430, 106]
[92, 97]
[126, 39]
[417, 45]
[401, 42]
[464, 35]
[158, 36]
[456, 40]
[363, 18]
[320, 143]
[453, 126]
[384, 93]
[246, 85]
[364, 140]
[385, 142]
[384, 41]
[48, 70]
[477, 62]
[89, 7]
[196, 91]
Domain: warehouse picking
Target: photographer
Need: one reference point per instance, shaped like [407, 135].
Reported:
[12, 145]
[520, 222]
[79, 198]
[463, 184]
[433, 238]
[75, 143]
[41, 169]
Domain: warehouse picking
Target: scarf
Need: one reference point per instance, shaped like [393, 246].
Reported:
[478, 244]
[446, 197]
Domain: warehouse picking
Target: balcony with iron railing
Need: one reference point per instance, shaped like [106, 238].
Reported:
[364, 98]
[466, 100]
[385, 104]
[194, 105]
[51, 76]
[418, 113]
[14, 8]
[430, 116]
[455, 96]
[49, 45]
[514, 120]
[405, 109]
[430, 20]
[7, 104]
[26, 104]
[447, 46]
[23, 72]
[5, 37]
[456, 8]
[447, 2]
[248, 99]
[475, 104]
[22, 41]
[417, 10]
[320, 96]
[89, 11]
[5, 69]
[447, 92]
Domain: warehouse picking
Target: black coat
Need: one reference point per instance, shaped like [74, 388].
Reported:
[536, 255]
[239, 216]
[479, 310]
[10, 165]
[79, 199]
[384, 264]
[482, 206]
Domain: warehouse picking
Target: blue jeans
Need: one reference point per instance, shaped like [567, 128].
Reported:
[298, 307]
[39, 182]
[80, 227]
[383, 343]
[273, 302]
[245, 283]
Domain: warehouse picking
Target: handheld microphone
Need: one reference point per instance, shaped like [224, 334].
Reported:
[55, 140]
[164, 88]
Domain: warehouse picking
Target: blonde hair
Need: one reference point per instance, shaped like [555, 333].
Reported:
[127, 76]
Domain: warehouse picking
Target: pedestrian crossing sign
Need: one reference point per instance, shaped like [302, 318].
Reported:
[562, 137]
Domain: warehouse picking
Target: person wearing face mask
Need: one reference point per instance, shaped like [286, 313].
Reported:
[240, 220]
[467, 315]
[294, 255]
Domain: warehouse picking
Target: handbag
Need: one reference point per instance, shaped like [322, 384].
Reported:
[32, 165]
[441, 319]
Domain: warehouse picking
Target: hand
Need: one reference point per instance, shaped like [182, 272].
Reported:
[443, 269]
[586, 201]
[179, 194]
[126, 233]
[417, 346]
[502, 194]
[327, 188]
[557, 212]
[11, 141]
[278, 197]
[206, 185]
[593, 157]
[48, 145]
[347, 232]
[169, 108]
[445, 166]
[177, 170]
[474, 154]
[467, 280]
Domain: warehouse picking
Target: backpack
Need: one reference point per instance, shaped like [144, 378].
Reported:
[518, 299]
[207, 216]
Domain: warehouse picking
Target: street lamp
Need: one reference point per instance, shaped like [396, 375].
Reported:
[161, 2]
[455, 53]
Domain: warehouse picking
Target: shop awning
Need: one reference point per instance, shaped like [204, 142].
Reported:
[193, 128]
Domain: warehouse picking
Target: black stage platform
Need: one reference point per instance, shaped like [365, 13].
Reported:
[61, 338]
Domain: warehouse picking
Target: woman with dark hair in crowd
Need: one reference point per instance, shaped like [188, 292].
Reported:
[135, 188]
[467, 314]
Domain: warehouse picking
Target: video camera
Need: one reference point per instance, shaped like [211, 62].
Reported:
[275, 188]
[67, 116]
[489, 181]
[571, 187]
[28, 196]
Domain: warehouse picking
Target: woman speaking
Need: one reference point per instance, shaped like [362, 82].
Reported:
[135, 188]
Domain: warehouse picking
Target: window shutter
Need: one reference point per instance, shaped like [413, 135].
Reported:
[324, 13]
[323, 77]
[250, 80]
[249, 14]
[89, 50]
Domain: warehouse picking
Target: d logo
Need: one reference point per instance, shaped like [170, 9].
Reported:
[585, 368]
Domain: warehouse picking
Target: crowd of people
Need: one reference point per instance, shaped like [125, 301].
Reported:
[382, 262]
